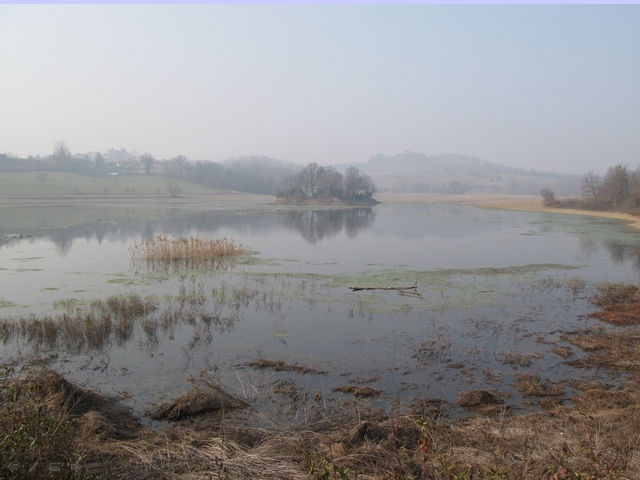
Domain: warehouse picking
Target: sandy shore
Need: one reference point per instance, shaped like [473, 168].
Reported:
[527, 203]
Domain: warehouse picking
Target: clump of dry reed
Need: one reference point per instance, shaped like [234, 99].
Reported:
[173, 253]
[204, 397]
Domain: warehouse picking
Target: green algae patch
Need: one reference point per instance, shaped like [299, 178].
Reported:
[125, 280]
[436, 289]
[7, 304]
[256, 261]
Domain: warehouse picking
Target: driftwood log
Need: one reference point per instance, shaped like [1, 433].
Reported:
[413, 287]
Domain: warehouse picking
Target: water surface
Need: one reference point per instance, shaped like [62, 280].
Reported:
[494, 286]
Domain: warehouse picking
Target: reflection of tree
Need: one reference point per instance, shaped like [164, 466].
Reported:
[315, 225]
[619, 252]
[357, 219]
[589, 245]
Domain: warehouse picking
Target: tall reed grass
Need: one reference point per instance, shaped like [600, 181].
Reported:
[161, 253]
[121, 319]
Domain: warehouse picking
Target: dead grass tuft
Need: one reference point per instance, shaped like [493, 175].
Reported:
[477, 398]
[364, 391]
[203, 398]
[282, 366]
[597, 400]
[619, 304]
[530, 385]
[612, 349]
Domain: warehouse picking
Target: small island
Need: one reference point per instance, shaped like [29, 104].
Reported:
[316, 185]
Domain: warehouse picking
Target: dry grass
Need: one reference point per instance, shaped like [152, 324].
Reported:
[599, 441]
[612, 349]
[363, 391]
[203, 398]
[162, 254]
[530, 385]
[282, 366]
[594, 438]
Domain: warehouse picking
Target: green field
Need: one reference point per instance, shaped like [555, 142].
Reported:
[67, 183]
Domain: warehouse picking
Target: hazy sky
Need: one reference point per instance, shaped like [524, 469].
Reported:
[550, 87]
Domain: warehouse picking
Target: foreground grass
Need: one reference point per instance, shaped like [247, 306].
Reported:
[50, 428]
[53, 429]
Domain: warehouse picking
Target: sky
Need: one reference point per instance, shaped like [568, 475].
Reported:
[546, 87]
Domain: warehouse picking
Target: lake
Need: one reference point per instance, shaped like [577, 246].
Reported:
[495, 291]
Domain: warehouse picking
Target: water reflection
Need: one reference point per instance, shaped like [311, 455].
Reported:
[317, 225]
[313, 226]
[476, 268]
[438, 228]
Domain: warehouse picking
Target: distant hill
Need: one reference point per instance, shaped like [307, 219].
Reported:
[452, 173]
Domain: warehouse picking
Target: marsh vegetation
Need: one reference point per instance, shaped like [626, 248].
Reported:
[164, 254]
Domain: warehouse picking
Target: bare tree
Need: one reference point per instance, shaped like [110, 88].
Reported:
[100, 164]
[62, 155]
[591, 184]
[619, 183]
[330, 182]
[181, 163]
[358, 185]
[548, 197]
[309, 179]
[147, 162]
[173, 189]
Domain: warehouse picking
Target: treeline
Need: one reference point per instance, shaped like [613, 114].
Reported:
[617, 190]
[254, 174]
[316, 182]
[251, 174]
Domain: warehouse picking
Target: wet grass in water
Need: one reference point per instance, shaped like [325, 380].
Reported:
[164, 254]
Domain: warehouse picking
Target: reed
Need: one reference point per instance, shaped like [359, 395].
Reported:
[161, 253]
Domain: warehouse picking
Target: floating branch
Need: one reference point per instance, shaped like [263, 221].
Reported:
[413, 287]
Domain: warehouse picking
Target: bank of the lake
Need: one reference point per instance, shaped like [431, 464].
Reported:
[524, 203]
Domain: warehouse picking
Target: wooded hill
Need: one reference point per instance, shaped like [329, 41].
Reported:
[452, 173]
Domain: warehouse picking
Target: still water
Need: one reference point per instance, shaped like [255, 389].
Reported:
[493, 286]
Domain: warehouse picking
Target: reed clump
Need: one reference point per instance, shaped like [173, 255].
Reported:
[161, 253]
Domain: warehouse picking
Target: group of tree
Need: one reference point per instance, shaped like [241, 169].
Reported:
[252, 174]
[618, 189]
[318, 182]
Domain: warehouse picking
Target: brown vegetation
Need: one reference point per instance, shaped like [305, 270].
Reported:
[282, 366]
[70, 432]
[162, 253]
[203, 398]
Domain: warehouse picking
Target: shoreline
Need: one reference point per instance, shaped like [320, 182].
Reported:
[524, 203]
